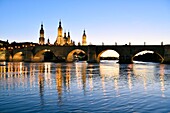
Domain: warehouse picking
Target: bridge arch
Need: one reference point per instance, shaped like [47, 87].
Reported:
[142, 52]
[71, 56]
[6, 55]
[17, 56]
[2, 56]
[109, 52]
[39, 56]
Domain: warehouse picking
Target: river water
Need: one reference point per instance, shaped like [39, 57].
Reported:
[82, 87]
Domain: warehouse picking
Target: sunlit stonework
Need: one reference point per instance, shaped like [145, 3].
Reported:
[61, 40]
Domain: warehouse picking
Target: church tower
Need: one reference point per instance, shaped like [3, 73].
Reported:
[48, 41]
[65, 38]
[68, 38]
[59, 40]
[84, 39]
[41, 39]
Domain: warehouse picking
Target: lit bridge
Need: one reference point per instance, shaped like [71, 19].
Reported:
[93, 52]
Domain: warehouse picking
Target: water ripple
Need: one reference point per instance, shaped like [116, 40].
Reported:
[83, 87]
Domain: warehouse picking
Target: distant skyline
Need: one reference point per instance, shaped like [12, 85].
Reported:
[107, 21]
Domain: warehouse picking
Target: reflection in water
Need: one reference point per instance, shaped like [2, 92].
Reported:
[162, 66]
[14, 75]
[130, 68]
[32, 73]
[17, 74]
[68, 76]
[90, 76]
[84, 67]
[69, 79]
[59, 81]
[41, 82]
[41, 88]
[47, 73]
[110, 71]
[78, 74]
[80, 70]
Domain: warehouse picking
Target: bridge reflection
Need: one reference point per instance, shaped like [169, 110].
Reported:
[82, 76]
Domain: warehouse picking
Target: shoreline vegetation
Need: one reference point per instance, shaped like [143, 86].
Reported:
[148, 57]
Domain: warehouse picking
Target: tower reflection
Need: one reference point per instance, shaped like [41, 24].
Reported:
[68, 76]
[41, 82]
[41, 87]
[59, 81]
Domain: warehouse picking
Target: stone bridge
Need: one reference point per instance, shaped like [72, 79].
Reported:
[126, 52]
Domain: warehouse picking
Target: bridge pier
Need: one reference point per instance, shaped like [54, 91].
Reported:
[166, 55]
[92, 54]
[28, 55]
[124, 59]
[7, 56]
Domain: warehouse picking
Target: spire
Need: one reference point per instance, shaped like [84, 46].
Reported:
[41, 30]
[41, 25]
[64, 34]
[48, 41]
[68, 34]
[69, 42]
[60, 23]
[84, 34]
[59, 40]
[41, 39]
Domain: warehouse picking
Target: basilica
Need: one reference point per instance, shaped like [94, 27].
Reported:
[60, 39]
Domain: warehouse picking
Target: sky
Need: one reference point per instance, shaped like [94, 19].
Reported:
[107, 21]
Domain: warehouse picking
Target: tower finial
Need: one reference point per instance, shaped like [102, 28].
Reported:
[64, 33]
[60, 23]
[41, 25]
[84, 32]
[68, 33]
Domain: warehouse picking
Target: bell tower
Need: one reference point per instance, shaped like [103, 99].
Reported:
[59, 40]
[84, 39]
[41, 39]
[69, 39]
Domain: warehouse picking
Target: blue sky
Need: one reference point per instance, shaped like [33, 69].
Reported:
[108, 21]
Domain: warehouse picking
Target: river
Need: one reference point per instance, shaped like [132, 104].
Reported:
[82, 87]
